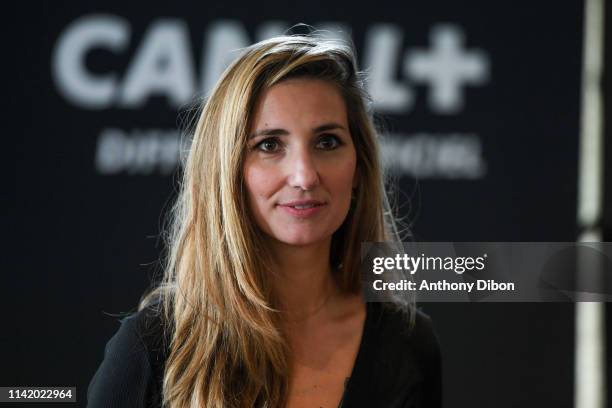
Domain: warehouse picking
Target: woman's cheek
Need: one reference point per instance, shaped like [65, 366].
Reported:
[346, 174]
[259, 181]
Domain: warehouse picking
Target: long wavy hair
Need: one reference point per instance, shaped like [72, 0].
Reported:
[227, 347]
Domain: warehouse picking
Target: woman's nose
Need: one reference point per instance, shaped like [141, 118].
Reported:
[303, 172]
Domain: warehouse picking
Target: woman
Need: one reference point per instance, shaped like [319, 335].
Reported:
[261, 304]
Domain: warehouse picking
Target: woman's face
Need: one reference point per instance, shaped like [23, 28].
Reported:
[300, 167]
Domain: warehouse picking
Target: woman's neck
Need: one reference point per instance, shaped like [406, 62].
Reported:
[303, 280]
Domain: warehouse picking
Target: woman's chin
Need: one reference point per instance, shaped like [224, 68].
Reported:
[301, 240]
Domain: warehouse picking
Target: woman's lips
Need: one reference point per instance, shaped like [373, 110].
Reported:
[302, 210]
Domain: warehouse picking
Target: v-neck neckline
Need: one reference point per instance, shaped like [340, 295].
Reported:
[361, 357]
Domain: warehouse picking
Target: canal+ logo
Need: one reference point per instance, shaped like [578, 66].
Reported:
[164, 63]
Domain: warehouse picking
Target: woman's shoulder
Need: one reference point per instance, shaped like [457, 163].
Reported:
[407, 345]
[147, 331]
[152, 328]
[132, 368]
[411, 329]
[409, 322]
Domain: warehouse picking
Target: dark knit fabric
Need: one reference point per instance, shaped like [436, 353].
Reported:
[395, 367]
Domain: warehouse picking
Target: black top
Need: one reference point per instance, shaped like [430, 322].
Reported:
[395, 367]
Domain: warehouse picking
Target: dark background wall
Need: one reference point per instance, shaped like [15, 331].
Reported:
[484, 144]
[607, 208]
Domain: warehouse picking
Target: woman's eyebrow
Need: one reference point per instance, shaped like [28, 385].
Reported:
[328, 126]
[283, 132]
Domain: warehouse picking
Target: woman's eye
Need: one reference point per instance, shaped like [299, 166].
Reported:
[268, 145]
[328, 142]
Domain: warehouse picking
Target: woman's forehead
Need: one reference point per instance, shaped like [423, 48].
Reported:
[301, 101]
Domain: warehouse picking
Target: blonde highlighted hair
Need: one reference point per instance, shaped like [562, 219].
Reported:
[227, 348]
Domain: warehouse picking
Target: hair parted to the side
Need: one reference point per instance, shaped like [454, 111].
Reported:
[227, 348]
